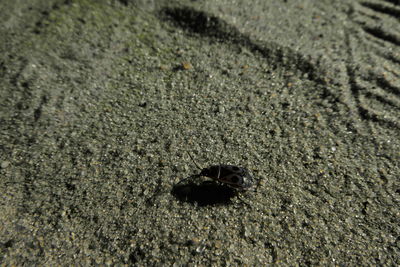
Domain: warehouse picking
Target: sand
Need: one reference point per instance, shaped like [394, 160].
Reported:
[101, 101]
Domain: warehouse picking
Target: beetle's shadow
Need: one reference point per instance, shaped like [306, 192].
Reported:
[205, 194]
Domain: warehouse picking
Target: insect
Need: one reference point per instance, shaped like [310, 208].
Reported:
[235, 177]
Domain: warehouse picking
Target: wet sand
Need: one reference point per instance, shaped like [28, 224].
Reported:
[101, 101]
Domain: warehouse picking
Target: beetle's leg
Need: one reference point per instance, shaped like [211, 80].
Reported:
[242, 200]
[194, 161]
[219, 171]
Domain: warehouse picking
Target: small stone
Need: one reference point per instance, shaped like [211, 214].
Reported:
[200, 249]
[218, 244]
[4, 164]
[186, 65]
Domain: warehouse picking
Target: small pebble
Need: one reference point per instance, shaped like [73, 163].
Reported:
[186, 65]
[5, 164]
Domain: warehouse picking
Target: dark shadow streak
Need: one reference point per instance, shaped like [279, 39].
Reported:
[206, 25]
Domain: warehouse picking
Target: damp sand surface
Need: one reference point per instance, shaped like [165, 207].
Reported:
[101, 101]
